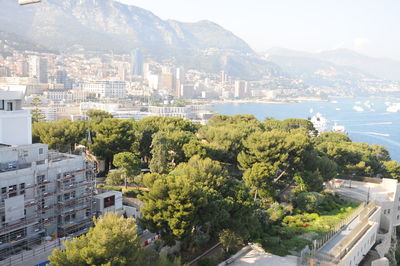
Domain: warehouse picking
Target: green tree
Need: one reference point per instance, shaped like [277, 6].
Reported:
[196, 200]
[36, 113]
[129, 164]
[224, 135]
[308, 201]
[392, 169]
[308, 181]
[146, 127]
[112, 241]
[194, 147]
[229, 240]
[97, 116]
[112, 136]
[260, 179]
[116, 177]
[167, 149]
[61, 135]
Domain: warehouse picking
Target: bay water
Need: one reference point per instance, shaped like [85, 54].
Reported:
[369, 120]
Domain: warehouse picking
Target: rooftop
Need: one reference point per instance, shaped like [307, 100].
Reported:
[364, 191]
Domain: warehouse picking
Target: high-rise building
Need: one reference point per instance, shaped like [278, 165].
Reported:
[62, 78]
[240, 88]
[136, 63]
[179, 81]
[22, 68]
[38, 68]
[5, 71]
[43, 193]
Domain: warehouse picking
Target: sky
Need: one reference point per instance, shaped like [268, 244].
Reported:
[367, 26]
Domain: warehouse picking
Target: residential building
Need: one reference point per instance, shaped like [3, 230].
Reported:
[38, 68]
[136, 63]
[369, 229]
[43, 194]
[106, 88]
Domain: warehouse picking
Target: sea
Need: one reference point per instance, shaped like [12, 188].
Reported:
[370, 120]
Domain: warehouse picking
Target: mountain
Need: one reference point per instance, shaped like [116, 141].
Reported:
[106, 25]
[10, 41]
[343, 59]
[380, 67]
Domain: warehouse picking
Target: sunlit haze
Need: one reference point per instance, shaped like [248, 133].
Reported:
[366, 26]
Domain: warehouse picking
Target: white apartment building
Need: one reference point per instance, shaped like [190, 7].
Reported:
[15, 123]
[59, 95]
[42, 193]
[196, 113]
[106, 88]
[369, 229]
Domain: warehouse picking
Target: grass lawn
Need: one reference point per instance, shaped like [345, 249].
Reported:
[297, 231]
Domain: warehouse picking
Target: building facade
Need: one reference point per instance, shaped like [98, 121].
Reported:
[43, 194]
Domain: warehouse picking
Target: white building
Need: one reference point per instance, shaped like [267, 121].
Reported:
[15, 123]
[42, 193]
[106, 88]
[38, 68]
[369, 229]
[110, 201]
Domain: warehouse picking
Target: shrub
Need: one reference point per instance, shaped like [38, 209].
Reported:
[276, 212]
[131, 192]
[308, 201]
[300, 220]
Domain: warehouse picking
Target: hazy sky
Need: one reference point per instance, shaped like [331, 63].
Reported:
[367, 26]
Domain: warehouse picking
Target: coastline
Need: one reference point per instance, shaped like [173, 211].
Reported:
[268, 101]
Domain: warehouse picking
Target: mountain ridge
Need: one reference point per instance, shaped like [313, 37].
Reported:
[106, 25]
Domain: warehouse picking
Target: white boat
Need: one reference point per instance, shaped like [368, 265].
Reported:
[393, 108]
[319, 122]
[339, 128]
[358, 108]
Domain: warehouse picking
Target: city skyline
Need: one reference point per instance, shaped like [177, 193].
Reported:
[366, 27]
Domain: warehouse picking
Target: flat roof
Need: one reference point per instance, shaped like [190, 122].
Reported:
[108, 194]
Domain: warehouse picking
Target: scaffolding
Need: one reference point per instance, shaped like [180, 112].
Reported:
[29, 230]
[75, 201]
[46, 209]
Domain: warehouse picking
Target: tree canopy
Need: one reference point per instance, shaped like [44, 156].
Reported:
[112, 241]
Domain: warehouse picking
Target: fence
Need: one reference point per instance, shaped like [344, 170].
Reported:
[364, 211]
[27, 257]
[318, 244]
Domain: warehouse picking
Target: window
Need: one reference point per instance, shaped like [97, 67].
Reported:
[40, 150]
[1, 104]
[40, 179]
[9, 106]
[4, 190]
[109, 201]
[66, 196]
[22, 186]
[13, 187]
[388, 211]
